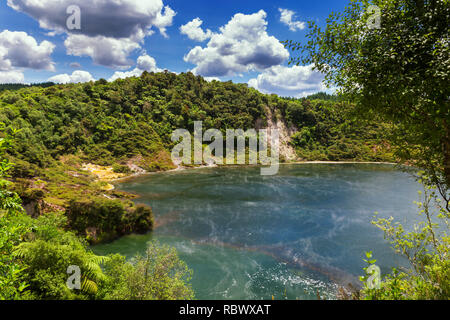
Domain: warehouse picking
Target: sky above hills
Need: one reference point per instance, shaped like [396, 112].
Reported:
[51, 40]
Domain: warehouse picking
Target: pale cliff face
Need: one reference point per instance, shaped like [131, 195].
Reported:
[286, 151]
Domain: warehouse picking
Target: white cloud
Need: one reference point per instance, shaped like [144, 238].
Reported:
[136, 72]
[144, 63]
[103, 51]
[110, 29]
[242, 45]
[147, 63]
[296, 81]
[76, 77]
[164, 20]
[19, 50]
[209, 79]
[194, 31]
[13, 76]
[287, 17]
[108, 18]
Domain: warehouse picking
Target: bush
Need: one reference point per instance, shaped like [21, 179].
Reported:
[159, 275]
[427, 249]
[102, 219]
[117, 168]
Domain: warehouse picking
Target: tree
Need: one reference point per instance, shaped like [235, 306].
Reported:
[391, 58]
[397, 70]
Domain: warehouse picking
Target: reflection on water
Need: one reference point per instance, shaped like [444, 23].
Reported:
[293, 235]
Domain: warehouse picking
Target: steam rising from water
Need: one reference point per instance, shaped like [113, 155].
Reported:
[293, 235]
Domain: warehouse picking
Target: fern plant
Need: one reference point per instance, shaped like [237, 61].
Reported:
[47, 267]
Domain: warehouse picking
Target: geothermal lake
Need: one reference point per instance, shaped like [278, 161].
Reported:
[248, 236]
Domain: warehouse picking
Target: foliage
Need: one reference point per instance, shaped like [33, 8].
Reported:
[35, 253]
[35, 259]
[322, 96]
[117, 168]
[110, 123]
[17, 86]
[101, 219]
[398, 72]
[11, 287]
[158, 275]
[47, 261]
[427, 249]
[327, 131]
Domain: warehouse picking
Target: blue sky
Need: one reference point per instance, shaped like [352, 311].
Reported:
[35, 44]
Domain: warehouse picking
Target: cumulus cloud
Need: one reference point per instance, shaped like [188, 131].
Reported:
[242, 45]
[209, 79]
[13, 76]
[296, 81]
[194, 31]
[144, 63]
[103, 51]
[117, 26]
[115, 19]
[76, 77]
[287, 17]
[19, 50]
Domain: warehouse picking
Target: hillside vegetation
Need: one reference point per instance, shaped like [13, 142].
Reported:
[109, 123]
[127, 125]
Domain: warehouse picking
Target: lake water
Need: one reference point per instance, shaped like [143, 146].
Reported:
[248, 236]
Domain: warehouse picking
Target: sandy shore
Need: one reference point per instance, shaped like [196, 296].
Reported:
[338, 162]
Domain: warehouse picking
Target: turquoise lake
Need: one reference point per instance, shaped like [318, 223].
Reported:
[291, 236]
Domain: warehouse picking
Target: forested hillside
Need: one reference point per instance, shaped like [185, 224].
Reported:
[16, 86]
[127, 125]
[107, 123]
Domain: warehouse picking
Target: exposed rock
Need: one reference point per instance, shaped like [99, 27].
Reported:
[50, 207]
[286, 150]
[33, 208]
[131, 163]
[36, 208]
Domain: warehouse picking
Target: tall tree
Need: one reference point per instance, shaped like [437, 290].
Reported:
[392, 58]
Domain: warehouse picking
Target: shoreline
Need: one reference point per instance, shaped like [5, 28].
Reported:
[340, 162]
[181, 168]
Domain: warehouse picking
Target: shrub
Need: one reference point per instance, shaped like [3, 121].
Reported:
[101, 219]
[117, 168]
[158, 275]
[427, 249]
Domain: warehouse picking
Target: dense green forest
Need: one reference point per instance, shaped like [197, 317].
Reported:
[16, 86]
[108, 123]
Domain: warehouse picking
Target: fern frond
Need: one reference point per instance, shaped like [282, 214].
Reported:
[22, 250]
[98, 259]
[89, 286]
